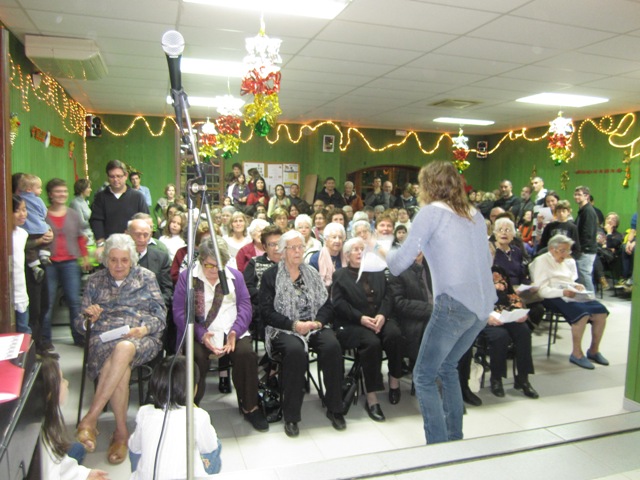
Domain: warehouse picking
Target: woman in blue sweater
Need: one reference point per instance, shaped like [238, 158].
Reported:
[452, 235]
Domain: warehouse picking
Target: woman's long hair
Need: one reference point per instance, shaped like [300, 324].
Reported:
[54, 432]
[440, 181]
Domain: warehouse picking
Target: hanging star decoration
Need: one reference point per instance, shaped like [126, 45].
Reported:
[262, 80]
[627, 169]
[560, 134]
[460, 152]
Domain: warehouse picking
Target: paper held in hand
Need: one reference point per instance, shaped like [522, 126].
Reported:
[114, 334]
[508, 316]
[580, 296]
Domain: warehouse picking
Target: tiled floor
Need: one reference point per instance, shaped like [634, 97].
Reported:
[567, 394]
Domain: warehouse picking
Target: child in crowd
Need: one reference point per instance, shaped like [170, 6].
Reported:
[167, 388]
[526, 231]
[172, 234]
[30, 188]
[399, 234]
[20, 235]
[54, 445]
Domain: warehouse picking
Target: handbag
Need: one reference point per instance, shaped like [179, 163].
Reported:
[350, 387]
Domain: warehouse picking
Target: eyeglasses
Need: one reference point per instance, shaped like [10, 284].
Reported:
[504, 230]
[272, 244]
[116, 177]
[209, 266]
[295, 248]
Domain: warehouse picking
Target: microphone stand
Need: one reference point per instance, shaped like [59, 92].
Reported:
[193, 187]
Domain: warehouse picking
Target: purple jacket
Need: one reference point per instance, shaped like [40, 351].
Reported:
[243, 304]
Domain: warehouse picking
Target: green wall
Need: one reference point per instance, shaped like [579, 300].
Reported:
[29, 155]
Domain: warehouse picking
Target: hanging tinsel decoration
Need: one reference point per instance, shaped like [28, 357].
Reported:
[207, 140]
[14, 126]
[560, 134]
[262, 80]
[564, 179]
[627, 169]
[460, 152]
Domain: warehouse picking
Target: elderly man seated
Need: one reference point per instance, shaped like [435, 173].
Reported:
[555, 274]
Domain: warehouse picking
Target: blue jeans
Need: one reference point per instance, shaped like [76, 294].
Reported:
[585, 270]
[211, 461]
[22, 322]
[68, 274]
[450, 332]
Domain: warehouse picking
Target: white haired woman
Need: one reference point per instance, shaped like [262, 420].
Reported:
[363, 305]
[122, 294]
[330, 258]
[253, 249]
[555, 273]
[297, 311]
[303, 224]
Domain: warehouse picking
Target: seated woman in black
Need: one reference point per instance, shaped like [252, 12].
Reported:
[363, 306]
[296, 309]
[500, 335]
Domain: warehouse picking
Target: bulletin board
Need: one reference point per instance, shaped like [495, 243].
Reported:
[275, 173]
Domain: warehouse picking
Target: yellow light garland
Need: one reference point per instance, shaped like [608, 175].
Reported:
[165, 120]
[612, 132]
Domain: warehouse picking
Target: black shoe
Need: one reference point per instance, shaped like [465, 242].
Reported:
[394, 395]
[337, 420]
[526, 388]
[496, 388]
[257, 420]
[291, 429]
[224, 385]
[375, 412]
[471, 398]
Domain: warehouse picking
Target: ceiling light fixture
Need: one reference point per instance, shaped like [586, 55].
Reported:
[213, 68]
[463, 121]
[562, 100]
[327, 9]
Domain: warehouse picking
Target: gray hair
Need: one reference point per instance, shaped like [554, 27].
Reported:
[347, 208]
[206, 250]
[558, 240]
[119, 241]
[290, 235]
[348, 182]
[332, 229]
[359, 224]
[256, 224]
[302, 218]
[228, 209]
[504, 222]
[349, 244]
[379, 208]
[360, 216]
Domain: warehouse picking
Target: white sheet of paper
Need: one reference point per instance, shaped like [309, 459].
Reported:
[525, 288]
[513, 315]
[10, 346]
[371, 262]
[547, 215]
[114, 334]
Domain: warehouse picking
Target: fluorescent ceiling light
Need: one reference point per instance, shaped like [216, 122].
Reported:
[463, 121]
[562, 100]
[212, 102]
[214, 68]
[327, 9]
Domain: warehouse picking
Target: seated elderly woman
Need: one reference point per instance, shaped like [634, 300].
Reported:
[499, 335]
[122, 294]
[330, 258]
[363, 306]
[555, 274]
[254, 248]
[296, 309]
[303, 225]
[221, 327]
[362, 229]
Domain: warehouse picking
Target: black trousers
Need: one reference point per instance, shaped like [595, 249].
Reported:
[244, 372]
[370, 346]
[294, 366]
[38, 304]
[498, 341]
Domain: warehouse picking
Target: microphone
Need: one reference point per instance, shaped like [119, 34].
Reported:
[173, 46]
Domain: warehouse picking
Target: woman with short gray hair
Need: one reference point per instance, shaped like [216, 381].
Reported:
[555, 273]
[303, 224]
[330, 257]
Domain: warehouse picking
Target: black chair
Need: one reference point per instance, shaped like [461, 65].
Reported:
[554, 318]
[481, 353]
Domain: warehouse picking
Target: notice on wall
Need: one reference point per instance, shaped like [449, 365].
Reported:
[275, 174]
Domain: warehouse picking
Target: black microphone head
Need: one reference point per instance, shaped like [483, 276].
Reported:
[173, 43]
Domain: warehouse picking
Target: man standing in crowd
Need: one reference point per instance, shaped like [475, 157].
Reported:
[526, 205]
[318, 205]
[135, 179]
[587, 223]
[375, 197]
[329, 195]
[351, 197]
[294, 197]
[389, 197]
[115, 205]
[508, 201]
[540, 191]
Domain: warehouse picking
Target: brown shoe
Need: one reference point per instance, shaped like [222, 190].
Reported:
[117, 452]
